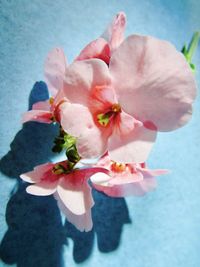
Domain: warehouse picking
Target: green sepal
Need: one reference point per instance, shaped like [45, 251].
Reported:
[69, 141]
[72, 154]
[189, 51]
[63, 141]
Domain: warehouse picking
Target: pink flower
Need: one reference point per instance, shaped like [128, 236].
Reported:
[83, 82]
[71, 190]
[124, 179]
[148, 87]
[153, 84]
[103, 47]
[101, 119]
[86, 89]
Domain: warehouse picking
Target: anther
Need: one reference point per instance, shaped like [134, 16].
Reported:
[116, 108]
[118, 167]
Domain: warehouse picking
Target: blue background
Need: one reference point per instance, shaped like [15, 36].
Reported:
[161, 229]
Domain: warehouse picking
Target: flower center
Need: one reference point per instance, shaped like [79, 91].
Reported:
[104, 118]
[118, 167]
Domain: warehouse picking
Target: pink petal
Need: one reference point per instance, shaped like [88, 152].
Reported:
[151, 173]
[92, 144]
[81, 222]
[102, 98]
[37, 115]
[114, 34]
[104, 161]
[98, 48]
[145, 186]
[81, 77]
[134, 147]
[126, 178]
[126, 123]
[122, 184]
[78, 122]
[75, 193]
[44, 188]
[37, 174]
[42, 105]
[54, 69]
[75, 118]
[117, 179]
[124, 190]
[100, 179]
[154, 82]
[115, 190]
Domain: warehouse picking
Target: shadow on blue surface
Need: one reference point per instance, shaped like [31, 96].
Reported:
[35, 235]
[109, 216]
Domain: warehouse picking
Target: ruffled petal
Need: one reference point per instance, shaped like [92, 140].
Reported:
[75, 193]
[75, 118]
[125, 123]
[154, 82]
[78, 122]
[44, 188]
[122, 185]
[81, 222]
[125, 190]
[114, 33]
[54, 69]
[92, 144]
[126, 178]
[37, 115]
[98, 48]
[81, 77]
[133, 147]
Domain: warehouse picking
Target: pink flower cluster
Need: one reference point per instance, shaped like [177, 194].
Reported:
[112, 99]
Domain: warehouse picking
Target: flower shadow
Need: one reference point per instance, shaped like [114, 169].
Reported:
[36, 235]
[109, 215]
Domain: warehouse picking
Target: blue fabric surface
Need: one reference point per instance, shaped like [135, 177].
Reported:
[161, 229]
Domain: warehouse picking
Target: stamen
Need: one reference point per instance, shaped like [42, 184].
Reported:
[116, 108]
[51, 100]
[118, 167]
